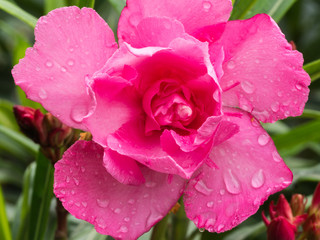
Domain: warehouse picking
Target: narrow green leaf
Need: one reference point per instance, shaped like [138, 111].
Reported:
[5, 233]
[294, 140]
[18, 12]
[313, 69]
[86, 3]
[41, 198]
[22, 141]
[308, 113]
[244, 9]
[7, 118]
[53, 4]
[160, 229]
[246, 232]
[118, 5]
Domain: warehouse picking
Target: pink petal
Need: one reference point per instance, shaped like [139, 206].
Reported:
[122, 168]
[88, 192]
[262, 75]
[131, 141]
[249, 170]
[116, 104]
[70, 44]
[155, 31]
[193, 14]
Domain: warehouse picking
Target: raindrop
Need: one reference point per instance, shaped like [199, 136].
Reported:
[201, 229]
[206, 6]
[123, 229]
[202, 188]
[131, 201]
[84, 204]
[231, 182]
[263, 139]
[222, 191]
[102, 224]
[78, 112]
[134, 20]
[146, 195]
[49, 64]
[210, 204]
[247, 86]
[258, 179]
[216, 95]
[63, 69]
[299, 86]
[117, 210]
[76, 181]
[38, 69]
[275, 107]
[276, 156]
[220, 227]
[70, 62]
[231, 64]
[126, 219]
[150, 184]
[83, 169]
[67, 179]
[43, 94]
[103, 203]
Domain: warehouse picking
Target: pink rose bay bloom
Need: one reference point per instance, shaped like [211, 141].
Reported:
[174, 110]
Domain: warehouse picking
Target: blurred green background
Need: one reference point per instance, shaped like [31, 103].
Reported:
[297, 139]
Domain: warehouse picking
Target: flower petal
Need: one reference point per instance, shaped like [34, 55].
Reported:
[122, 168]
[88, 192]
[193, 14]
[249, 170]
[70, 44]
[262, 74]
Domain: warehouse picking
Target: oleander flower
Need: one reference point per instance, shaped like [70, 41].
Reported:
[174, 110]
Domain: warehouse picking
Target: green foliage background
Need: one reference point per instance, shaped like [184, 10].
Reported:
[26, 205]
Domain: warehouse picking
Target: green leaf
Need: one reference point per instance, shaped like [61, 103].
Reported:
[20, 140]
[297, 138]
[81, 3]
[18, 12]
[49, 5]
[245, 232]
[308, 113]
[7, 118]
[313, 69]
[5, 233]
[244, 9]
[41, 198]
[118, 5]
[311, 174]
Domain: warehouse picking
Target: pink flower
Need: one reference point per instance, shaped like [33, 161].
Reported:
[174, 110]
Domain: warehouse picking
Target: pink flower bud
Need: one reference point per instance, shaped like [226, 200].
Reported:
[281, 229]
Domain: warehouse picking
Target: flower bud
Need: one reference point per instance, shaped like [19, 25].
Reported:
[298, 204]
[281, 229]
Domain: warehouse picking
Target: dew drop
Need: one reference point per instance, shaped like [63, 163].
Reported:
[70, 62]
[131, 201]
[222, 191]
[220, 227]
[202, 188]
[210, 204]
[84, 204]
[276, 156]
[83, 169]
[43, 94]
[275, 107]
[123, 229]
[247, 86]
[299, 86]
[101, 224]
[67, 179]
[146, 195]
[258, 179]
[38, 69]
[232, 184]
[206, 6]
[103, 203]
[231, 64]
[117, 210]
[76, 181]
[134, 20]
[78, 113]
[150, 184]
[49, 64]
[126, 219]
[216, 96]
[63, 69]
[263, 139]
[202, 229]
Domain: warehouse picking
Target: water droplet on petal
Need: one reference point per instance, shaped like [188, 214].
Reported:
[206, 6]
[131, 201]
[123, 229]
[78, 113]
[117, 210]
[202, 188]
[103, 203]
[49, 64]
[126, 219]
[258, 179]
[43, 94]
[84, 204]
[275, 107]
[220, 227]
[263, 139]
[76, 181]
[150, 184]
[38, 69]
[101, 223]
[222, 191]
[83, 169]
[63, 69]
[202, 229]
[232, 184]
[210, 204]
[231, 64]
[247, 86]
[70, 62]
[146, 195]
[299, 86]
[276, 156]
[216, 96]
[134, 19]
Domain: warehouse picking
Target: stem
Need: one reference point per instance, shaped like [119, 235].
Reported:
[61, 232]
[159, 230]
[180, 223]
